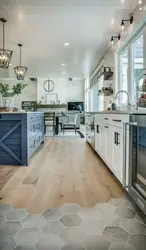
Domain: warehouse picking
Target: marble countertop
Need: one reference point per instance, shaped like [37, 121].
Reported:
[119, 112]
[20, 113]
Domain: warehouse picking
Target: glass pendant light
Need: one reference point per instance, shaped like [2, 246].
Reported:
[20, 71]
[5, 55]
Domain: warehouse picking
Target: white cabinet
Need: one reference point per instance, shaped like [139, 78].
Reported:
[117, 152]
[109, 142]
[97, 137]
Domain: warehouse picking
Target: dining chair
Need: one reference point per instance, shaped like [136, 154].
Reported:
[70, 124]
[49, 120]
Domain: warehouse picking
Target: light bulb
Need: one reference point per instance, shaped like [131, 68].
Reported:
[140, 1]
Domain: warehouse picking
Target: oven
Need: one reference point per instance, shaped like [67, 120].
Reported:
[90, 132]
[137, 160]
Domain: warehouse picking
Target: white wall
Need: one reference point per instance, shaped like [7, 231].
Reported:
[28, 94]
[66, 90]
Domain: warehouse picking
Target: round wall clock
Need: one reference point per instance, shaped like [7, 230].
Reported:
[48, 85]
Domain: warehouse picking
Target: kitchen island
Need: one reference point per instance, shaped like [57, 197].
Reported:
[20, 136]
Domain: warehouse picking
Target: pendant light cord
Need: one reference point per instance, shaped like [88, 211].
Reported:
[3, 36]
[20, 55]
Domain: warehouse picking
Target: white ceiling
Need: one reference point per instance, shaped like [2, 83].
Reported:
[44, 25]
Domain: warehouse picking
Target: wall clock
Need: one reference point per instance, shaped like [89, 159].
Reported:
[48, 85]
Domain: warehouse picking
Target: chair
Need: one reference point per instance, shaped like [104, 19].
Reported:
[49, 120]
[70, 124]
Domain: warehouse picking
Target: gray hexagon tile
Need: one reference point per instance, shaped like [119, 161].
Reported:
[70, 208]
[89, 213]
[10, 228]
[141, 217]
[132, 226]
[125, 213]
[32, 221]
[2, 219]
[25, 247]
[137, 241]
[112, 220]
[72, 235]
[73, 247]
[132, 206]
[53, 214]
[16, 214]
[5, 208]
[70, 220]
[118, 201]
[50, 242]
[7, 243]
[92, 226]
[115, 234]
[106, 208]
[127, 197]
[51, 227]
[95, 242]
[27, 236]
[120, 246]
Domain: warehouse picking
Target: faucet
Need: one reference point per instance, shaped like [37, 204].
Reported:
[124, 91]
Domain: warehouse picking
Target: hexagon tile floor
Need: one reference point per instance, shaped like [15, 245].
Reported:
[117, 225]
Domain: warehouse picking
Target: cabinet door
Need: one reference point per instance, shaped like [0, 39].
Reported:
[117, 152]
[102, 141]
[97, 138]
[108, 145]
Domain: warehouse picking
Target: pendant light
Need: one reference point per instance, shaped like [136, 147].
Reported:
[20, 71]
[5, 55]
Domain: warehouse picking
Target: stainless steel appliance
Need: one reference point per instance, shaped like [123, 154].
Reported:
[90, 131]
[137, 153]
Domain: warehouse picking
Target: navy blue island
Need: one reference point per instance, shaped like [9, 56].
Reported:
[20, 136]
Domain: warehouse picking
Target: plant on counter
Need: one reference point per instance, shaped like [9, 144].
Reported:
[16, 89]
[4, 89]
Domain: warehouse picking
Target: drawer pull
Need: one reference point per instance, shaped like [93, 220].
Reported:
[105, 118]
[106, 126]
[116, 120]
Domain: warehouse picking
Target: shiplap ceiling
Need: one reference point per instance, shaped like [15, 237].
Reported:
[44, 25]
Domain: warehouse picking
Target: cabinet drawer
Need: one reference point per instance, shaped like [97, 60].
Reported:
[104, 118]
[118, 120]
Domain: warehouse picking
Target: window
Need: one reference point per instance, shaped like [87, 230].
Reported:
[123, 75]
[138, 65]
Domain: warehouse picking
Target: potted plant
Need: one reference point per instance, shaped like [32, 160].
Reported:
[8, 94]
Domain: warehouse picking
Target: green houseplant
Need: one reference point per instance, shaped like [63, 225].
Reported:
[8, 94]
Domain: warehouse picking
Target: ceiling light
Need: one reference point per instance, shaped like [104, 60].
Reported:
[63, 64]
[5, 55]
[122, 1]
[20, 71]
[140, 8]
[66, 44]
[140, 1]
[112, 21]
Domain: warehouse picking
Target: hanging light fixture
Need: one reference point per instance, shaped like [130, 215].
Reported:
[126, 20]
[20, 71]
[5, 54]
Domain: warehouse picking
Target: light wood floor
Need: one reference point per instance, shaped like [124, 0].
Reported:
[64, 170]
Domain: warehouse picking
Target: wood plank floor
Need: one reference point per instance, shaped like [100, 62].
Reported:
[64, 170]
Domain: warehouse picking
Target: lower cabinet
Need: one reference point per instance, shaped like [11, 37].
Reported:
[109, 144]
